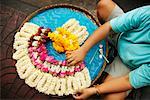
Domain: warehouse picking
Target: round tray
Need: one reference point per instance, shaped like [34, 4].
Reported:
[54, 16]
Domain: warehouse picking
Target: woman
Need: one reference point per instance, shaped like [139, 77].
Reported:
[131, 69]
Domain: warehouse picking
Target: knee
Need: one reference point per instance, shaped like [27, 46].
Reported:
[103, 4]
[104, 9]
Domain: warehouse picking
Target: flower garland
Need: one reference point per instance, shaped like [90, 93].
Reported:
[41, 71]
[73, 26]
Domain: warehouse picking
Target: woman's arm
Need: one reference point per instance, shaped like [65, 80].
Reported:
[78, 55]
[98, 35]
[116, 85]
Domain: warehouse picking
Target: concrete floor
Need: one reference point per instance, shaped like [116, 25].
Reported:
[12, 13]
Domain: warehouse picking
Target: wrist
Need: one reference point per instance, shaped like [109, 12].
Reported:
[94, 90]
[97, 88]
[84, 49]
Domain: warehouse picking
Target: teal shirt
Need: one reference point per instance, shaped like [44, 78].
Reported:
[134, 44]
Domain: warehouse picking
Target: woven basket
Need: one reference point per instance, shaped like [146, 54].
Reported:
[75, 8]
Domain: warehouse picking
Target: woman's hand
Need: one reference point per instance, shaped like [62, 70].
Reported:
[74, 57]
[85, 93]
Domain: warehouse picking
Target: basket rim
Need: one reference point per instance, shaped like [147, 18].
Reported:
[74, 7]
[62, 5]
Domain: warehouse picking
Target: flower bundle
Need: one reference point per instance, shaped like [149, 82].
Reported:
[63, 40]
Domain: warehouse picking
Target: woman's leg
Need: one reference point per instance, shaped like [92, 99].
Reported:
[104, 9]
[115, 70]
[114, 96]
[107, 10]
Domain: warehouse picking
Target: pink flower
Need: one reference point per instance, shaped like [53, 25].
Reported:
[34, 48]
[34, 55]
[77, 69]
[70, 73]
[82, 65]
[44, 51]
[42, 48]
[48, 68]
[35, 63]
[49, 58]
[30, 55]
[51, 71]
[43, 56]
[33, 59]
[55, 62]
[62, 74]
[54, 73]
[64, 63]
[39, 50]
[44, 69]
[57, 71]
[39, 66]
[30, 49]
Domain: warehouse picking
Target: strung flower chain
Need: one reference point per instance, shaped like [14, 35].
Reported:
[40, 58]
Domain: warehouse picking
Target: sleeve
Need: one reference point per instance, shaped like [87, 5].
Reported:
[127, 21]
[140, 77]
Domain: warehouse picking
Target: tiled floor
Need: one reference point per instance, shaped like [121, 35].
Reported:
[12, 13]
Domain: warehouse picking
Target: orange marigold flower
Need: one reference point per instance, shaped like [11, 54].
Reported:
[63, 40]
